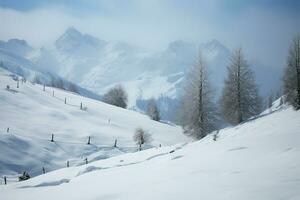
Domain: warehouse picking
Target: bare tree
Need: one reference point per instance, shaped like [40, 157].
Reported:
[198, 113]
[152, 110]
[270, 100]
[116, 96]
[57, 82]
[141, 137]
[36, 79]
[73, 88]
[292, 74]
[240, 98]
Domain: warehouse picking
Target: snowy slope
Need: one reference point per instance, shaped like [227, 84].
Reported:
[255, 160]
[32, 115]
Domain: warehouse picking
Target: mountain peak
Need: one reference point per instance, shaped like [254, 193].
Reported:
[213, 45]
[18, 42]
[16, 46]
[74, 43]
[181, 47]
[71, 31]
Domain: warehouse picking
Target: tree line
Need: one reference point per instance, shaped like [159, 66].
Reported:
[199, 112]
[240, 99]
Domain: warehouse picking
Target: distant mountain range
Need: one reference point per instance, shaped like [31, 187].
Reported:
[98, 65]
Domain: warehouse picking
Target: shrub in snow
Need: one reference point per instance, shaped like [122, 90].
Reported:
[141, 137]
[116, 96]
[24, 176]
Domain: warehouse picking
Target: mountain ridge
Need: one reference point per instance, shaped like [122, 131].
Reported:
[98, 65]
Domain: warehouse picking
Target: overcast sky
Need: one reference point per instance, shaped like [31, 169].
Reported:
[263, 28]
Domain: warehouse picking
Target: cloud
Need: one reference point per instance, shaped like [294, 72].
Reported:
[263, 29]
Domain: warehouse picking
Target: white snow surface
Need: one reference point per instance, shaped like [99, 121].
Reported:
[258, 159]
[32, 115]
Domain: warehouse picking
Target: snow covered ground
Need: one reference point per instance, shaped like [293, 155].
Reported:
[32, 115]
[255, 160]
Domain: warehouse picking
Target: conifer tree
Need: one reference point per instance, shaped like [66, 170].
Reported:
[292, 74]
[240, 99]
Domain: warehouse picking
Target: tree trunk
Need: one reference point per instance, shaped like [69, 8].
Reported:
[298, 71]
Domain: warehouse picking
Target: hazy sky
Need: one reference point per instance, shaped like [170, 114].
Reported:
[263, 28]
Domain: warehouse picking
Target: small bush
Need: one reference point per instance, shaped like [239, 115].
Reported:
[141, 137]
[116, 96]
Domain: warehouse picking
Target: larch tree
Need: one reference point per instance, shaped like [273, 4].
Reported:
[240, 98]
[292, 74]
[198, 113]
[152, 110]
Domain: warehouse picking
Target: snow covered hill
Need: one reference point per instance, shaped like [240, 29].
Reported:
[33, 115]
[255, 160]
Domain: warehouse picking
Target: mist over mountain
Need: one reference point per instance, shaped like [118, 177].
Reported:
[98, 65]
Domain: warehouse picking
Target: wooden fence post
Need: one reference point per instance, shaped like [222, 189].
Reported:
[44, 87]
[89, 140]
[215, 136]
[5, 181]
[65, 100]
[68, 164]
[52, 137]
[18, 83]
[44, 171]
[115, 145]
[80, 105]
[7, 130]
[53, 93]
[86, 161]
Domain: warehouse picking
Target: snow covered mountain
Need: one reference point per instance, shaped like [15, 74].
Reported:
[258, 159]
[18, 47]
[98, 65]
[33, 115]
